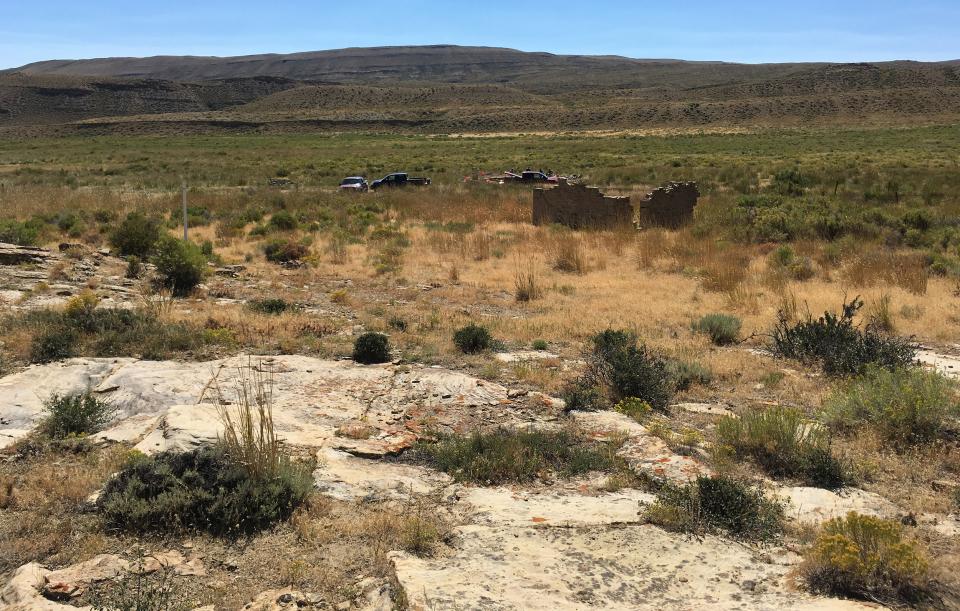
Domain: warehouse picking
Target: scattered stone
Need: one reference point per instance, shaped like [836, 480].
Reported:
[74, 580]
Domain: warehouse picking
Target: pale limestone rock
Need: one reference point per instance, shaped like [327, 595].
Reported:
[22, 591]
[345, 477]
[946, 364]
[652, 457]
[634, 567]
[311, 399]
[75, 579]
[524, 355]
[505, 507]
[709, 409]
[816, 505]
[606, 422]
[128, 430]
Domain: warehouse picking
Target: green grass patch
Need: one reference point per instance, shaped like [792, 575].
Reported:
[504, 456]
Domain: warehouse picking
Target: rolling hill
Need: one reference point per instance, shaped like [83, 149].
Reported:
[445, 88]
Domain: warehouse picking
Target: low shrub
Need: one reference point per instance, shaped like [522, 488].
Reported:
[282, 221]
[181, 265]
[504, 456]
[284, 251]
[687, 373]
[134, 267]
[272, 305]
[21, 233]
[867, 557]
[722, 329]
[539, 344]
[80, 329]
[54, 342]
[906, 406]
[397, 324]
[204, 489]
[784, 444]
[785, 262]
[835, 344]
[717, 505]
[634, 408]
[621, 368]
[371, 348]
[137, 235]
[80, 414]
[472, 339]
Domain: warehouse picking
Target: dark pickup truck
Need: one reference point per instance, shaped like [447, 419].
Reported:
[399, 179]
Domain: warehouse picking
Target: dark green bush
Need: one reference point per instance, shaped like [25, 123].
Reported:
[25, 233]
[717, 504]
[80, 414]
[371, 348]
[505, 456]
[784, 444]
[539, 344]
[273, 305]
[722, 329]
[284, 251]
[204, 490]
[181, 265]
[621, 368]
[837, 345]
[282, 221]
[105, 332]
[136, 235]
[54, 342]
[134, 267]
[472, 339]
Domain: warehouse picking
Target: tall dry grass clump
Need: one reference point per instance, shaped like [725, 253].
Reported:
[885, 267]
[652, 244]
[248, 434]
[569, 255]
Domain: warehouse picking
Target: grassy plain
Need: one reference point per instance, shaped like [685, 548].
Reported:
[790, 221]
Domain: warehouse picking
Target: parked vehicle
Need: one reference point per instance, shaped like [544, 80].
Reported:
[354, 183]
[399, 179]
[527, 177]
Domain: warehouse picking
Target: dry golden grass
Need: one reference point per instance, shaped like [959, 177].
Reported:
[41, 497]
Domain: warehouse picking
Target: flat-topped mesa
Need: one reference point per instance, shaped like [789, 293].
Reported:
[582, 207]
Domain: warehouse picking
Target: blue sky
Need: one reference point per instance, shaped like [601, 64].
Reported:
[744, 31]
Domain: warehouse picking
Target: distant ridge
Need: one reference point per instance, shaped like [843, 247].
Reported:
[448, 88]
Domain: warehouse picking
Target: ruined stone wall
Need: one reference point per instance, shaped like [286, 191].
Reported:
[579, 206]
[668, 206]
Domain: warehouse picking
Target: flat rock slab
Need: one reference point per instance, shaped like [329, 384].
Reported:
[645, 454]
[506, 507]
[709, 409]
[343, 476]
[945, 364]
[633, 567]
[815, 505]
[521, 356]
[312, 398]
[601, 424]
